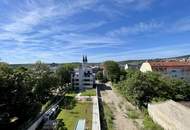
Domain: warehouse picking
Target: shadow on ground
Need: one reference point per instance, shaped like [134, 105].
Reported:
[103, 87]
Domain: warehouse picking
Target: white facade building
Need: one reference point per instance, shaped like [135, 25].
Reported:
[83, 77]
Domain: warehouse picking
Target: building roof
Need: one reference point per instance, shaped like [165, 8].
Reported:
[170, 64]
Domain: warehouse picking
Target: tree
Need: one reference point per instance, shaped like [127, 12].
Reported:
[5, 69]
[43, 80]
[111, 71]
[63, 75]
[143, 88]
[100, 76]
[123, 74]
[15, 96]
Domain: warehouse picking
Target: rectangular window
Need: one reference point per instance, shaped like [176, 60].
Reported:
[86, 84]
[173, 70]
[86, 80]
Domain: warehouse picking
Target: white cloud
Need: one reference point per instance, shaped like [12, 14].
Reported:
[135, 4]
[181, 25]
[141, 27]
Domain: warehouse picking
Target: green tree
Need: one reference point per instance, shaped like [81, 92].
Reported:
[143, 88]
[15, 96]
[5, 69]
[63, 74]
[43, 80]
[99, 75]
[111, 70]
[123, 74]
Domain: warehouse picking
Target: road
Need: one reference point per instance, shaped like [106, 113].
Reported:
[119, 107]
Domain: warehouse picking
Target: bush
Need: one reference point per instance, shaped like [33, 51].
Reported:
[133, 114]
[143, 88]
[150, 125]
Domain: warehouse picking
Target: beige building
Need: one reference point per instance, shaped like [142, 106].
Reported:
[176, 69]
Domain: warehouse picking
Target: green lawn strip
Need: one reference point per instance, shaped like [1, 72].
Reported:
[71, 94]
[149, 124]
[80, 111]
[108, 117]
[133, 114]
[89, 92]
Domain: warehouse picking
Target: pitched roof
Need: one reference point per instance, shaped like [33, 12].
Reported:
[170, 63]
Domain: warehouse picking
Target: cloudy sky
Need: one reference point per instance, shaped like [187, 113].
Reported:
[64, 30]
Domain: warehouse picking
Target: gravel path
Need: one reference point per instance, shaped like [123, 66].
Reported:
[119, 108]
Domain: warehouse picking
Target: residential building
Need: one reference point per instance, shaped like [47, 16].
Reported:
[83, 77]
[130, 66]
[176, 69]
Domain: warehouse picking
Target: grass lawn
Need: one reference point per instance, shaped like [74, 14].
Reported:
[150, 125]
[108, 115]
[89, 92]
[71, 94]
[81, 110]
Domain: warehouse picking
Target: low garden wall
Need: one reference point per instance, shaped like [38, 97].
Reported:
[96, 114]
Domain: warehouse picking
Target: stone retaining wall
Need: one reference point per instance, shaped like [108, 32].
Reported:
[170, 115]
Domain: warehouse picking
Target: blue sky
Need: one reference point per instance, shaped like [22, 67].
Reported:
[64, 30]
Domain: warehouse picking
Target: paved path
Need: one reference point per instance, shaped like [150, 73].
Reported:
[118, 106]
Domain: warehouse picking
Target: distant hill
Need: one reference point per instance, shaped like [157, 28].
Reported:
[132, 62]
[181, 57]
[135, 62]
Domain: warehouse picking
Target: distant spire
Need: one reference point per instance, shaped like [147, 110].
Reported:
[86, 59]
[83, 59]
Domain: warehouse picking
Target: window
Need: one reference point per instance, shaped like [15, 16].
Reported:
[174, 71]
[86, 80]
[86, 84]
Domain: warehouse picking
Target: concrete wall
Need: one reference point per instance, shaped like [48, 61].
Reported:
[96, 113]
[170, 115]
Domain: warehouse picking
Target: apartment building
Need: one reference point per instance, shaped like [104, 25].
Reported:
[83, 77]
[175, 69]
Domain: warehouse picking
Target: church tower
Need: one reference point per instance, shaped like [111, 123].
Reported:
[84, 61]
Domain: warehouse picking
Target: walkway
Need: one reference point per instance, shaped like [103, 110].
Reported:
[118, 106]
